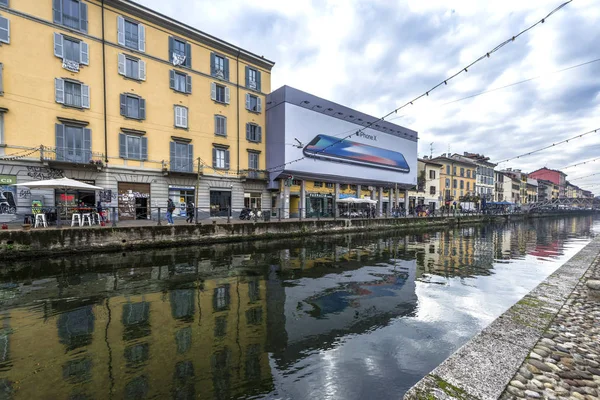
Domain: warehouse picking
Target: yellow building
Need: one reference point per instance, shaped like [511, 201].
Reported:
[457, 177]
[118, 95]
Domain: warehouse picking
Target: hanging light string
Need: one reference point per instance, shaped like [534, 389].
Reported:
[442, 83]
[549, 146]
[18, 155]
[581, 163]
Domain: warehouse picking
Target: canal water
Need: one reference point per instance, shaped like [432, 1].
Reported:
[330, 317]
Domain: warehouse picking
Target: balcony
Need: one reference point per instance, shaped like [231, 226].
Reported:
[254, 175]
[181, 166]
[76, 157]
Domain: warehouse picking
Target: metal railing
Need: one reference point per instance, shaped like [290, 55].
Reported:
[71, 155]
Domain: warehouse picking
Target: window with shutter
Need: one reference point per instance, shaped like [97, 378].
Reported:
[180, 52]
[181, 117]
[220, 161]
[253, 133]
[4, 30]
[71, 13]
[182, 157]
[133, 106]
[221, 93]
[220, 125]
[73, 144]
[179, 81]
[252, 103]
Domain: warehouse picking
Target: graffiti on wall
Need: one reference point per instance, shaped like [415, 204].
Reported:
[24, 194]
[43, 173]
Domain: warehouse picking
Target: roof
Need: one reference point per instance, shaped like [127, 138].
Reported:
[188, 31]
[479, 158]
[547, 169]
[453, 159]
[428, 161]
[290, 95]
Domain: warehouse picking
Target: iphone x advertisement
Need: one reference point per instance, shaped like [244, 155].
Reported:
[321, 144]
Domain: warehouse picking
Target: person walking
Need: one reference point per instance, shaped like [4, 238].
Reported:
[189, 211]
[170, 209]
[99, 211]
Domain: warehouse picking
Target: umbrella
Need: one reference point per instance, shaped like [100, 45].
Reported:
[62, 183]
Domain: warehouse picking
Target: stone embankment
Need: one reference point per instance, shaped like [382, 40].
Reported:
[545, 346]
[565, 363]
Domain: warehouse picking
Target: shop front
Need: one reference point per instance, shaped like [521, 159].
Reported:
[74, 200]
[134, 201]
[319, 205]
[220, 203]
[181, 196]
[253, 200]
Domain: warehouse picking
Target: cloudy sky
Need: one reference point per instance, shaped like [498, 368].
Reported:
[374, 55]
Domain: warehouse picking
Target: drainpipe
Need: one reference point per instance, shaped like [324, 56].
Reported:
[104, 84]
[237, 66]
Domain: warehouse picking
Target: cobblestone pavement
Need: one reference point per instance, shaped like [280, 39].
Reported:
[565, 363]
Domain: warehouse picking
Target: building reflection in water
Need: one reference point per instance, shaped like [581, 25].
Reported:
[211, 323]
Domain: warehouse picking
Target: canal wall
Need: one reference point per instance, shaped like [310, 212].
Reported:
[484, 366]
[15, 244]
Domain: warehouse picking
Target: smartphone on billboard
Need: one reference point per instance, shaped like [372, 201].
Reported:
[331, 148]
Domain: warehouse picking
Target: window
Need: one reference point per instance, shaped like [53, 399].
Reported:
[219, 93]
[132, 67]
[432, 190]
[454, 183]
[133, 147]
[253, 103]
[468, 185]
[220, 125]
[453, 170]
[431, 174]
[133, 106]
[72, 94]
[253, 159]
[221, 298]
[298, 182]
[252, 79]
[70, 13]
[318, 184]
[447, 170]
[447, 182]
[4, 30]
[468, 173]
[219, 66]
[220, 158]
[353, 187]
[72, 51]
[180, 82]
[462, 184]
[181, 117]
[253, 133]
[131, 34]
[462, 172]
[182, 157]
[180, 52]
[329, 185]
[73, 144]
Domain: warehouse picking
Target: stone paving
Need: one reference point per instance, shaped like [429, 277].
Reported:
[565, 362]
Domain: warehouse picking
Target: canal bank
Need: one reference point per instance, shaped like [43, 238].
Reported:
[511, 357]
[16, 244]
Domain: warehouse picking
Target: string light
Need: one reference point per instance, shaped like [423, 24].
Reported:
[444, 82]
[549, 146]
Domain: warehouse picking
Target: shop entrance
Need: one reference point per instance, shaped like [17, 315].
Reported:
[319, 205]
[75, 200]
[220, 202]
[253, 200]
[181, 196]
[134, 201]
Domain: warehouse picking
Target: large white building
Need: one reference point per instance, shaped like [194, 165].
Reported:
[485, 184]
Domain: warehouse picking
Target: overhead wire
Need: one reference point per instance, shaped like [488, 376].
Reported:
[442, 83]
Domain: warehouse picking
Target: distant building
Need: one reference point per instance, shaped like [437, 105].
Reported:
[499, 179]
[532, 190]
[457, 178]
[427, 192]
[518, 186]
[545, 190]
[557, 177]
[485, 183]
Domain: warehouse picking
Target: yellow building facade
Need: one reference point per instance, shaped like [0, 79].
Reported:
[457, 178]
[118, 95]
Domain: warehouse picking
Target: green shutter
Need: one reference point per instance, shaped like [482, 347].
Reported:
[214, 158]
[172, 79]
[122, 146]
[188, 83]
[248, 132]
[171, 46]
[258, 80]
[60, 142]
[259, 134]
[226, 159]
[142, 113]
[247, 76]
[172, 151]
[144, 148]
[190, 166]
[123, 104]
[226, 68]
[87, 144]
[188, 55]
[212, 64]
[83, 16]
[57, 11]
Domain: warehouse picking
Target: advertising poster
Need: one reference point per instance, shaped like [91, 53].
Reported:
[371, 155]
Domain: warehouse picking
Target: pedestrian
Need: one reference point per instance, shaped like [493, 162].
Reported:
[170, 209]
[189, 211]
[99, 211]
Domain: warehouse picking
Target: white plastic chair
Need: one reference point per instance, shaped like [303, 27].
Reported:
[87, 218]
[76, 218]
[40, 220]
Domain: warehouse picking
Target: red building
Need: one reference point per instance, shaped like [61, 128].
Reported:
[557, 177]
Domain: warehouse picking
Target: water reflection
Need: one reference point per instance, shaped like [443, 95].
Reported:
[343, 317]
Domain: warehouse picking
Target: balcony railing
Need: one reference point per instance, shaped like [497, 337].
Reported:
[256, 175]
[71, 156]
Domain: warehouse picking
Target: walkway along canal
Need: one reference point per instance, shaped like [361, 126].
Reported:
[349, 316]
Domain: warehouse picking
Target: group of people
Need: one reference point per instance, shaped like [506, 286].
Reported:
[190, 210]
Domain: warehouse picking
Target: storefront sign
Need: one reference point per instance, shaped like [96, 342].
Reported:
[322, 195]
[347, 196]
[173, 187]
[8, 179]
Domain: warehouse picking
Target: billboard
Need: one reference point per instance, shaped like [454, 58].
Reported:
[371, 155]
